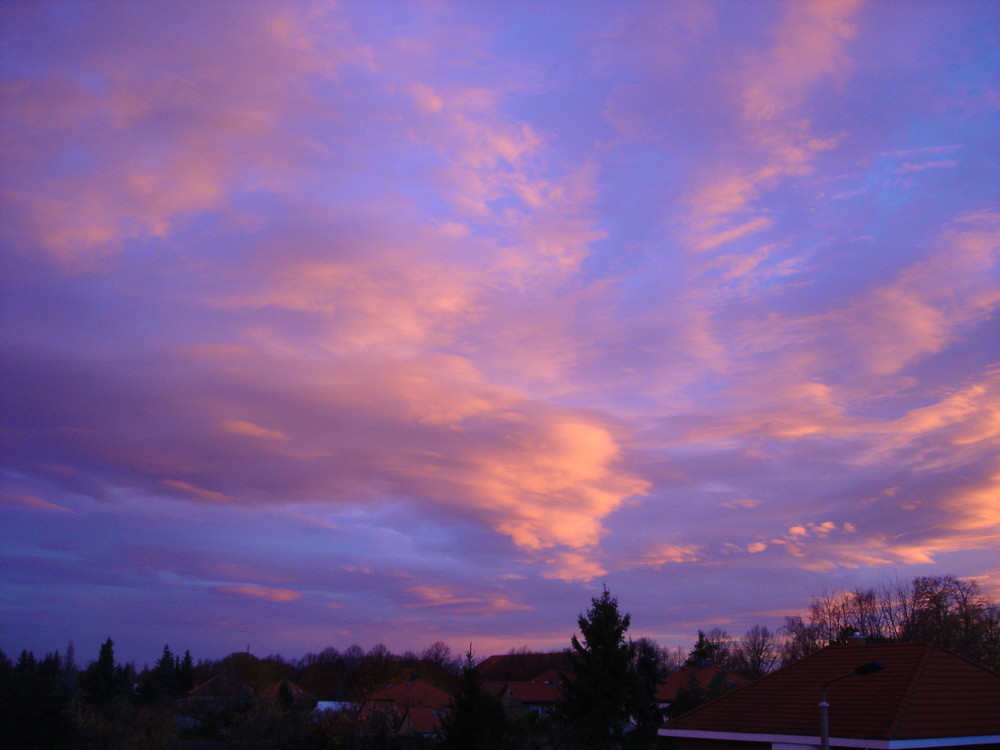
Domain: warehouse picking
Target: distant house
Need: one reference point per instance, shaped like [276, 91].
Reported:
[298, 697]
[532, 696]
[709, 681]
[523, 667]
[420, 721]
[412, 707]
[414, 692]
[218, 694]
[525, 683]
[925, 697]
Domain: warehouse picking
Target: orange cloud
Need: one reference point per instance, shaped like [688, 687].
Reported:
[31, 501]
[167, 139]
[809, 48]
[440, 596]
[929, 303]
[809, 45]
[741, 503]
[573, 567]
[662, 554]
[187, 487]
[249, 429]
[261, 592]
[713, 240]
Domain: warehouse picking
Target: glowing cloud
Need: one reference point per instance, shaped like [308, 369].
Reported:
[424, 319]
[261, 592]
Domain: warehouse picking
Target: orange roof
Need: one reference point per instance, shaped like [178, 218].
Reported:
[666, 691]
[534, 692]
[413, 693]
[924, 692]
[420, 720]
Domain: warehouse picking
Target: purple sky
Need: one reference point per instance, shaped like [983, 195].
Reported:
[333, 323]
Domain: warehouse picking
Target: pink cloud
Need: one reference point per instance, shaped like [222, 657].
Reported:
[199, 492]
[261, 592]
[249, 429]
[170, 131]
[444, 308]
[809, 45]
[931, 301]
[809, 49]
[440, 596]
[573, 567]
[712, 241]
[661, 554]
[30, 501]
[920, 167]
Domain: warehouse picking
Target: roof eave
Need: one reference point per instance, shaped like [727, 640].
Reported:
[813, 741]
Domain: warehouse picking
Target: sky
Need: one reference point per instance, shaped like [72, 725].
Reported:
[394, 322]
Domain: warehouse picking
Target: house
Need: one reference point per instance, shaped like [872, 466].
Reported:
[297, 697]
[414, 692]
[412, 707]
[521, 697]
[218, 694]
[525, 682]
[699, 683]
[523, 666]
[924, 697]
[420, 721]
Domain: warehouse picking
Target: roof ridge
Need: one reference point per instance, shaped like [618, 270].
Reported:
[965, 658]
[911, 689]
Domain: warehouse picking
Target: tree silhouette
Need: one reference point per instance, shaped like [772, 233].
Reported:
[103, 679]
[476, 719]
[603, 693]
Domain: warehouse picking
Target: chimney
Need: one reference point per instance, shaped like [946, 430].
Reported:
[857, 640]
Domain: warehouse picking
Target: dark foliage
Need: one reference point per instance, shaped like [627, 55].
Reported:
[476, 719]
[605, 691]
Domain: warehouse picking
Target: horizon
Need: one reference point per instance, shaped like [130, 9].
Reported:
[330, 323]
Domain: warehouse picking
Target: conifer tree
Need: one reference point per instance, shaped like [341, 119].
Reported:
[104, 679]
[476, 719]
[602, 695]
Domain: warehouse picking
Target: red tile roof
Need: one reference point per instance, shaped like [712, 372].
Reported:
[924, 692]
[420, 720]
[534, 692]
[666, 691]
[413, 693]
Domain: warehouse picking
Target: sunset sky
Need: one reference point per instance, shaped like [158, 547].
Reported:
[330, 323]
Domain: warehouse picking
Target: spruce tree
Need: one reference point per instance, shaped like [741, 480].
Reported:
[103, 679]
[602, 694]
[476, 719]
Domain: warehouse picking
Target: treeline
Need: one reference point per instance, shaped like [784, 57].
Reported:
[946, 611]
[50, 702]
[943, 610]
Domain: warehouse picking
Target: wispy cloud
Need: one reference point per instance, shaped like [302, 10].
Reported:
[261, 592]
[431, 321]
